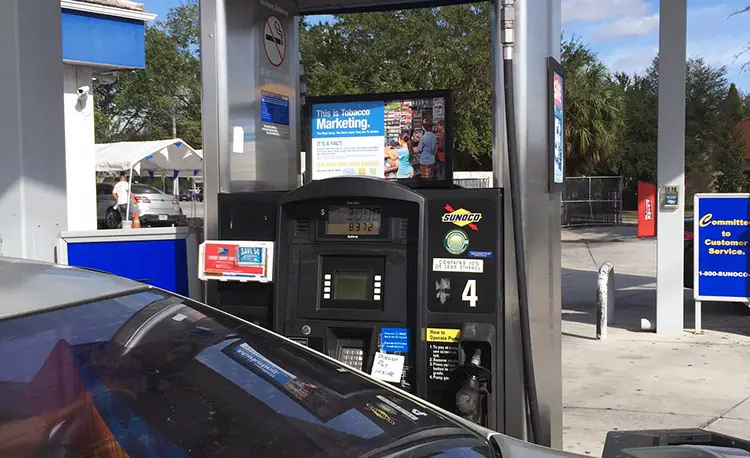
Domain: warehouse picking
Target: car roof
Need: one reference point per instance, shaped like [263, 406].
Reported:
[28, 286]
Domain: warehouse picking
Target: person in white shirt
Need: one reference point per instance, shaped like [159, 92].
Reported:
[121, 193]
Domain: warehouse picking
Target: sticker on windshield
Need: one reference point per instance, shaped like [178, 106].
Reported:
[411, 416]
[381, 414]
[263, 364]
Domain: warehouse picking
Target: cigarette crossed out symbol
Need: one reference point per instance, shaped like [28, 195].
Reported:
[280, 32]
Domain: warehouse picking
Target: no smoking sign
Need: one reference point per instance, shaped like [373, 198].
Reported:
[274, 40]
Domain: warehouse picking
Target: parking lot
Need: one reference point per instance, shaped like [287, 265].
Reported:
[192, 209]
[636, 379]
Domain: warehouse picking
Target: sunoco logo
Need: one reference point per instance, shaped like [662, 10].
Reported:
[461, 217]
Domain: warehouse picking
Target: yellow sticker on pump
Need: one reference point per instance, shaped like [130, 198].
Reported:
[442, 335]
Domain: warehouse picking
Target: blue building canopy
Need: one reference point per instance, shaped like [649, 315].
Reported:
[104, 36]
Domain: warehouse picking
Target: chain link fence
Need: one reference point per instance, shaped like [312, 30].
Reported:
[473, 179]
[592, 201]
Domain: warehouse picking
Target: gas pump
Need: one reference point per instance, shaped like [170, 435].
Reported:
[349, 271]
[404, 280]
[403, 283]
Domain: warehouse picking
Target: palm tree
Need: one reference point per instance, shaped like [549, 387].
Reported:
[594, 115]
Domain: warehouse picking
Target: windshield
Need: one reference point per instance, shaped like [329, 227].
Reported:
[150, 374]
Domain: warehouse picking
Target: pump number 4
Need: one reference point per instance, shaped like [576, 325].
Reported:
[470, 293]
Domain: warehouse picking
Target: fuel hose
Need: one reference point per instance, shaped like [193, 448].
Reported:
[507, 21]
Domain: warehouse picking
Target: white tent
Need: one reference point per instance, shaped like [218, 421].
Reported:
[162, 155]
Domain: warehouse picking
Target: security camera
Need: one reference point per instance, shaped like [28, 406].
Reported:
[84, 90]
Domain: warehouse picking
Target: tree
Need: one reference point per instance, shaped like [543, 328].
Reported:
[162, 100]
[636, 157]
[708, 133]
[731, 153]
[594, 116]
[411, 50]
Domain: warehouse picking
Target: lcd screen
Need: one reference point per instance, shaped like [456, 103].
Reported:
[353, 221]
[400, 136]
[351, 285]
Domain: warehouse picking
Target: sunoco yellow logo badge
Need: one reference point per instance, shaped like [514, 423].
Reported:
[461, 217]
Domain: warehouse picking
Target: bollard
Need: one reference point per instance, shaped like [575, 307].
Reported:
[605, 299]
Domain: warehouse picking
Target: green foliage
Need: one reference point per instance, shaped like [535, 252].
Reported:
[636, 157]
[147, 104]
[731, 152]
[611, 119]
[713, 155]
[594, 109]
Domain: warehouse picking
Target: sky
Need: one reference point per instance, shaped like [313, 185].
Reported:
[625, 35]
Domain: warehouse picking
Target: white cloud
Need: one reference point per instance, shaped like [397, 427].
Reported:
[634, 26]
[631, 60]
[713, 33]
[721, 50]
[598, 10]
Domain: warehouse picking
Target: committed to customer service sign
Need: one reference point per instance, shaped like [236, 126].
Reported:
[722, 246]
[348, 139]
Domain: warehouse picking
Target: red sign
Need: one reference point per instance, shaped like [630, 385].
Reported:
[223, 258]
[558, 90]
[646, 209]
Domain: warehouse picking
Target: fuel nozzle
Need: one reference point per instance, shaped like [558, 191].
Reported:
[476, 358]
[467, 398]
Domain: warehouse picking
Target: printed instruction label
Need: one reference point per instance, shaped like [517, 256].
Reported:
[442, 335]
[388, 368]
[442, 360]
[394, 340]
[475, 266]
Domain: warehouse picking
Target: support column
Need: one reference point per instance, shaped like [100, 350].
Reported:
[79, 148]
[537, 36]
[32, 133]
[671, 166]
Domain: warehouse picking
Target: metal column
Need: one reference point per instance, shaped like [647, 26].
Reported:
[33, 207]
[241, 153]
[671, 165]
[538, 28]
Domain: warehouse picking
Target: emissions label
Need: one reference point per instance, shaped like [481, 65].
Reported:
[458, 265]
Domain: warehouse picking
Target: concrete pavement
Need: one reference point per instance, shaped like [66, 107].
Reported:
[640, 380]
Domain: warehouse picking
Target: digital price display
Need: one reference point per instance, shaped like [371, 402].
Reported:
[353, 221]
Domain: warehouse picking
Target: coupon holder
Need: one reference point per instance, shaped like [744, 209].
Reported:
[242, 261]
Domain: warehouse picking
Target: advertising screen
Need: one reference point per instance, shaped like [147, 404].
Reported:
[391, 136]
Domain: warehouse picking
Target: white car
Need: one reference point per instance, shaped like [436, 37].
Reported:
[155, 207]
